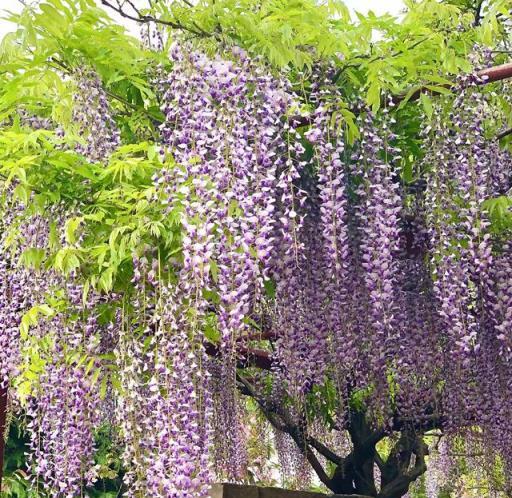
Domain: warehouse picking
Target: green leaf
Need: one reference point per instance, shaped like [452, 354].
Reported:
[373, 95]
[66, 260]
[106, 279]
[31, 318]
[32, 257]
[70, 229]
[427, 104]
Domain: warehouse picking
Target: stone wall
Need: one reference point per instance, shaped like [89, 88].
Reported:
[242, 491]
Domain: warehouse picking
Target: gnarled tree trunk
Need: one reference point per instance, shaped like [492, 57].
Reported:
[354, 474]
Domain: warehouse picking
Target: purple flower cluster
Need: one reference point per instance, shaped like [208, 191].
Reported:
[294, 467]
[471, 280]
[230, 454]
[380, 205]
[62, 421]
[92, 114]
[224, 127]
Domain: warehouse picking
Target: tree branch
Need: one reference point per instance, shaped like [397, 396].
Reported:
[303, 446]
[303, 442]
[248, 390]
[478, 13]
[144, 19]
[379, 461]
[504, 133]
[488, 75]
[324, 451]
[247, 357]
[396, 478]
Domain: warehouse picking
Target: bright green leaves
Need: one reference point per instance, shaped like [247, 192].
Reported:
[52, 19]
[494, 14]
[119, 220]
[53, 40]
[34, 353]
[427, 47]
[33, 257]
[71, 30]
[322, 403]
[211, 328]
[131, 161]
[70, 229]
[286, 32]
[351, 129]
[35, 161]
[118, 209]
[426, 102]
[373, 95]
[500, 213]
[67, 260]
[31, 318]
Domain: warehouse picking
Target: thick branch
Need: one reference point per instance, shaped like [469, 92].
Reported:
[364, 439]
[504, 133]
[489, 75]
[496, 73]
[427, 422]
[281, 421]
[311, 457]
[396, 476]
[247, 357]
[248, 390]
[324, 451]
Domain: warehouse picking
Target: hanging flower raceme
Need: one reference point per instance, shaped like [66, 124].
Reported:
[62, 422]
[65, 406]
[376, 241]
[311, 250]
[16, 284]
[461, 249]
[179, 396]
[93, 115]
[226, 130]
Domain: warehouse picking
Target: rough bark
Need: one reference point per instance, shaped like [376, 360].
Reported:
[354, 474]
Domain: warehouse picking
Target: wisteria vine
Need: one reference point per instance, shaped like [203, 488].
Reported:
[393, 296]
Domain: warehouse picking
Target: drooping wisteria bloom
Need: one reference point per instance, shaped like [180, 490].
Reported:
[96, 125]
[224, 129]
[14, 301]
[62, 421]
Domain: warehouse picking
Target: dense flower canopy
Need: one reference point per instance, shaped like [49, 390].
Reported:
[255, 246]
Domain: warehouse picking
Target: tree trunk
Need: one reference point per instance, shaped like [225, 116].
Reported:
[355, 473]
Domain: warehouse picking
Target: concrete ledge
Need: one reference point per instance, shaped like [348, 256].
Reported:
[243, 491]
